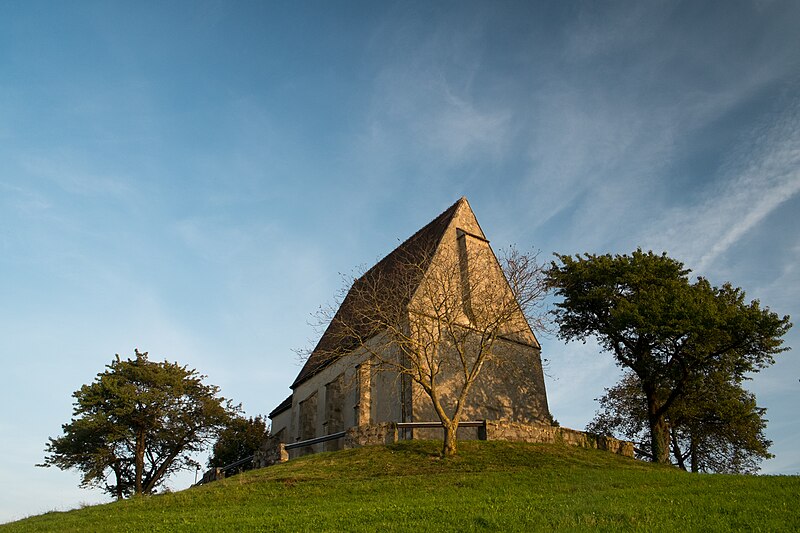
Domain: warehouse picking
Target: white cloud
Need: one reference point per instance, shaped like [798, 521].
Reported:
[602, 29]
[459, 129]
[764, 173]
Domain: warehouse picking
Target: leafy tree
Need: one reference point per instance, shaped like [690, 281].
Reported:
[715, 426]
[240, 439]
[719, 428]
[137, 423]
[668, 331]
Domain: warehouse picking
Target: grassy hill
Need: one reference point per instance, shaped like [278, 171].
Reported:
[489, 486]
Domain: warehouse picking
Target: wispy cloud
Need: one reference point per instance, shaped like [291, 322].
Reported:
[73, 174]
[427, 106]
[621, 110]
[424, 111]
[762, 174]
[24, 199]
[458, 128]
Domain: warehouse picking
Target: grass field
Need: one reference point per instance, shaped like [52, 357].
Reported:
[493, 486]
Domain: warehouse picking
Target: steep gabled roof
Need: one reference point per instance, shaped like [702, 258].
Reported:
[283, 406]
[417, 250]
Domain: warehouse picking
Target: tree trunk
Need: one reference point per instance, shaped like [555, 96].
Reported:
[158, 473]
[693, 448]
[659, 429]
[139, 462]
[118, 477]
[676, 450]
[449, 447]
[659, 440]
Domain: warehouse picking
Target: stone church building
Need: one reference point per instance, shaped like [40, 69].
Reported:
[359, 386]
[341, 387]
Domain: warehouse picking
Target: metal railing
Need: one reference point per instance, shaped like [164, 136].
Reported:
[480, 424]
[317, 440]
[221, 472]
[240, 462]
[433, 425]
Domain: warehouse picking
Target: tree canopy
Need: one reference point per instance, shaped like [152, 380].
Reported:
[643, 309]
[715, 426]
[240, 439]
[138, 422]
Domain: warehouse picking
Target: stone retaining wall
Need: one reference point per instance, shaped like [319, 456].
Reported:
[214, 474]
[542, 433]
[369, 434]
[386, 433]
[272, 451]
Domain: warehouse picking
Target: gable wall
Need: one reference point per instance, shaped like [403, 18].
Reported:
[512, 386]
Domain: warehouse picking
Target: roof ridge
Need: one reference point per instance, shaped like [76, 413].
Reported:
[434, 220]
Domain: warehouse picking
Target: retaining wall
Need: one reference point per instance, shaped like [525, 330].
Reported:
[387, 433]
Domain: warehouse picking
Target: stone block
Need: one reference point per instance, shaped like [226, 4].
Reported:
[370, 434]
[272, 451]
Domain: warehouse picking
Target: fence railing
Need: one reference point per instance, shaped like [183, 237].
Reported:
[237, 464]
[433, 425]
[480, 424]
[317, 440]
[225, 471]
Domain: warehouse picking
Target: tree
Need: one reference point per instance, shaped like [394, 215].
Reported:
[439, 318]
[718, 427]
[240, 439]
[643, 309]
[137, 423]
[715, 426]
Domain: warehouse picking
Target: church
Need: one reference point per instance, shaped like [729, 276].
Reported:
[386, 359]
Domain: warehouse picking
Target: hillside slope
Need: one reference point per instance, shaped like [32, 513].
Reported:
[489, 485]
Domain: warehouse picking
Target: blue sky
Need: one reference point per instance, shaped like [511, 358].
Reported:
[189, 178]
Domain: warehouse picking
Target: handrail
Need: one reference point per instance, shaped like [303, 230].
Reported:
[317, 440]
[400, 425]
[238, 463]
[224, 470]
[433, 425]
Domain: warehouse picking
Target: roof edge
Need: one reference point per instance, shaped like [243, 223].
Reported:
[450, 213]
[283, 406]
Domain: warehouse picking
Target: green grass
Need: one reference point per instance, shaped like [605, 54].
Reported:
[492, 486]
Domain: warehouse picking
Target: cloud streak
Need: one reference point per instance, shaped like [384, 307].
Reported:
[764, 173]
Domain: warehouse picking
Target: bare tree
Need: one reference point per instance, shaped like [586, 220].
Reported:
[439, 316]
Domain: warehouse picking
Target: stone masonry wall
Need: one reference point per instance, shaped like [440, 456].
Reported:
[369, 434]
[272, 451]
[542, 433]
[386, 433]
